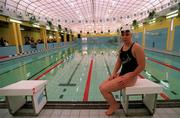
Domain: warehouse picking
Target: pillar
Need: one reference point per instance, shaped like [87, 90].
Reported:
[19, 35]
[143, 36]
[43, 36]
[172, 31]
[57, 37]
[65, 37]
[15, 32]
[70, 37]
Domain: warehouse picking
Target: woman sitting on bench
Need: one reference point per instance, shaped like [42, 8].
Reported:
[132, 59]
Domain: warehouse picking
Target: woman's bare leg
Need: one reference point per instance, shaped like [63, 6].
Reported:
[104, 83]
[108, 87]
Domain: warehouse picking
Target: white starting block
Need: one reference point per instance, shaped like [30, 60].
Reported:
[17, 93]
[144, 87]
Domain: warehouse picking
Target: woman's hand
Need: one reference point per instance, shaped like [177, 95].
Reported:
[113, 76]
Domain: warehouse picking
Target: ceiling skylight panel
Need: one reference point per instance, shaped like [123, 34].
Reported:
[49, 6]
[88, 11]
[88, 2]
[130, 2]
[155, 2]
[26, 1]
[101, 14]
[38, 9]
[135, 1]
[36, 13]
[158, 5]
[134, 8]
[127, 2]
[148, 4]
[41, 3]
[23, 3]
[12, 3]
[80, 1]
[38, 3]
[50, 9]
[144, 6]
[29, 11]
[2, 1]
[85, 5]
[72, 4]
[140, 10]
[34, 6]
[22, 7]
[58, 3]
[14, 0]
[31, 7]
[81, 6]
[31, 0]
[10, 8]
[43, 7]
[66, 5]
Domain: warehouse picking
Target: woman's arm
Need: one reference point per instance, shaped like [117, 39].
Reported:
[116, 68]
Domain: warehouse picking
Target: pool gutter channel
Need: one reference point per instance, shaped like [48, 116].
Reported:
[97, 105]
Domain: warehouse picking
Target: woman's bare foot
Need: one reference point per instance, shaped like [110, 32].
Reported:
[112, 109]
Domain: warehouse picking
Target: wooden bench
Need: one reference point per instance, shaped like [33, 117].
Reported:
[16, 95]
[148, 89]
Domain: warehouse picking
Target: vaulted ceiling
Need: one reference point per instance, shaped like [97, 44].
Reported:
[88, 15]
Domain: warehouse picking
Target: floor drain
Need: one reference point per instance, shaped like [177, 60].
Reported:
[61, 96]
[64, 89]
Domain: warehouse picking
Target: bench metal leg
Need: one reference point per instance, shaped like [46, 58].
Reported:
[39, 100]
[125, 102]
[45, 90]
[15, 103]
[150, 102]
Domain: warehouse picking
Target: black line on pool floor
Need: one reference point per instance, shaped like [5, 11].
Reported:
[69, 81]
[43, 69]
[107, 66]
[61, 96]
[64, 90]
[156, 80]
[174, 92]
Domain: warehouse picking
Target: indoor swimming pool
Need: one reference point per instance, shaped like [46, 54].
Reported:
[74, 73]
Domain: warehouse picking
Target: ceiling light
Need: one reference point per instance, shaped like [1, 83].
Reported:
[171, 16]
[72, 4]
[173, 12]
[113, 3]
[77, 12]
[172, 24]
[80, 17]
[152, 22]
[58, 3]
[140, 25]
[110, 11]
[22, 29]
[36, 25]
[15, 21]
[47, 27]
[55, 29]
